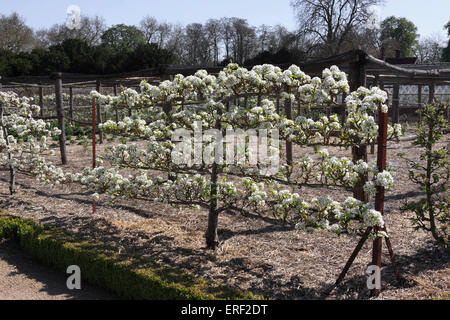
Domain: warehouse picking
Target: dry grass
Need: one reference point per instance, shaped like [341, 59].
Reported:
[255, 255]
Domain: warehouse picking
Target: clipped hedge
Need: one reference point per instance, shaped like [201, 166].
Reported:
[126, 275]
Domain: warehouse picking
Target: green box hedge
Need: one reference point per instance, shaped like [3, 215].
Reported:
[126, 275]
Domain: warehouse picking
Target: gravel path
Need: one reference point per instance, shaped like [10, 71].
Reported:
[24, 279]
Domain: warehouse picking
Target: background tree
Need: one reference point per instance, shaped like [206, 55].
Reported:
[149, 27]
[243, 40]
[446, 51]
[429, 49]
[198, 49]
[214, 32]
[122, 38]
[147, 55]
[163, 34]
[15, 35]
[264, 33]
[329, 23]
[227, 30]
[80, 55]
[175, 43]
[90, 31]
[398, 34]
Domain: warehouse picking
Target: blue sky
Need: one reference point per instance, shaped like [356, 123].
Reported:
[429, 15]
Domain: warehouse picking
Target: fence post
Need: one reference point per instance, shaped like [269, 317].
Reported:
[99, 113]
[375, 84]
[71, 105]
[432, 89]
[116, 110]
[288, 111]
[379, 197]
[60, 114]
[41, 100]
[396, 103]
[419, 100]
[94, 204]
[344, 109]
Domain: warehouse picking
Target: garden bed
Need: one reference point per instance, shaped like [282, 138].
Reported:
[260, 256]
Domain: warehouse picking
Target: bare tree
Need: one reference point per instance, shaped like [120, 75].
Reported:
[175, 43]
[264, 33]
[163, 34]
[198, 49]
[280, 38]
[429, 49]
[329, 23]
[91, 30]
[149, 26]
[214, 30]
[227, 31]
[243, 40]
[15, 35]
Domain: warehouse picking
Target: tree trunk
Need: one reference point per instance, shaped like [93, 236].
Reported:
[211, 236]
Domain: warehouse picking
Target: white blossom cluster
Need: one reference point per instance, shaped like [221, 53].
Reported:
[50, 99]
[249, 99]
[236, 98]
[24, 140]
[362, 105]
[213, 99]
[350, 216]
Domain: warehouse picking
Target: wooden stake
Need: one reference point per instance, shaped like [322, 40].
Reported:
[60, 114]
[94, 205]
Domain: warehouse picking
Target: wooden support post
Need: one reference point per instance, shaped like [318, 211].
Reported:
[41, 100]
[432, 89]
[94, 204]
[344, 110]
[288, 111]
[350, 260]
[99, 113]
[116, 110]
[376, 82]
[379, 197]
[419, 101]
[396, 104]
[71, 105]
[60, 115]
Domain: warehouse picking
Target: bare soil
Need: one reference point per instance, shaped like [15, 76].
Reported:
[266, 258]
